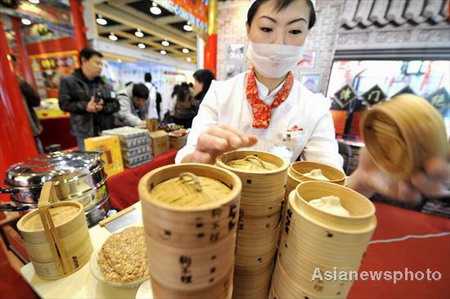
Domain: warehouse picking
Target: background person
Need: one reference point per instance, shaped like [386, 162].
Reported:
[90, 101]
[132, 101]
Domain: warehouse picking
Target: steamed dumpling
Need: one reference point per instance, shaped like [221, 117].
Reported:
[330, 204]
[316, 174]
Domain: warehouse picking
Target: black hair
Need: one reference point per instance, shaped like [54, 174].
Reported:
[148, 77]
[87, 53]
[280, 5]
[140, 91]
[183, 94]
[203, 76]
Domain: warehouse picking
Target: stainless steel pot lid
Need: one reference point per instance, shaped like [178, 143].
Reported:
[60, 167]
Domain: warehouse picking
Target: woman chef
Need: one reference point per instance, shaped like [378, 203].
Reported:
[267, 109]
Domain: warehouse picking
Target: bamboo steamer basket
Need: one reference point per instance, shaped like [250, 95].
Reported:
[206, 265]
[252, 286]
[258, 187]
[190, 226]
[312, 239]
[298, 169]
[402, 133]
[222, 289]
[191, 245]
[56, 236]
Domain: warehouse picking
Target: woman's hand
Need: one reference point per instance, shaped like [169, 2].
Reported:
[369, 179]
[217, 140]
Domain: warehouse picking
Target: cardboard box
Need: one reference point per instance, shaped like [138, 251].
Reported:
[178, 140]
[112, 155]
[160, 142]
[152, 124]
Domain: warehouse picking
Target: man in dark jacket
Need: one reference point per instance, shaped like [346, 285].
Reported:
[90, 101]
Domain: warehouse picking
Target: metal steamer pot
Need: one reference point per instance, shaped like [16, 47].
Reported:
[77, 176]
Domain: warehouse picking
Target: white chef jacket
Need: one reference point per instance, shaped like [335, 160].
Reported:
[303, 112]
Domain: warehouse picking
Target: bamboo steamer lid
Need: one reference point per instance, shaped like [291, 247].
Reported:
[402, 133]
[210, 215]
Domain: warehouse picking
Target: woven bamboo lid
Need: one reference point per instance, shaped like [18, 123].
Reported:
[60, 214]
[189, 187]
[256, 162]
[251, 162]
[402, 133]
[189, 190]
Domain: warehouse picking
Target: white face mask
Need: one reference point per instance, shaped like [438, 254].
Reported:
[274, 61]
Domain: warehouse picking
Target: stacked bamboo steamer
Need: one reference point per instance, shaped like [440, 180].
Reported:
[403, 132]
[56, 236]
[190, 214]
[314, 241]
[263, 177]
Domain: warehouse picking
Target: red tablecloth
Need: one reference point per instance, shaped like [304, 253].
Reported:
[57, 131]
[123, 187]
[414, 254]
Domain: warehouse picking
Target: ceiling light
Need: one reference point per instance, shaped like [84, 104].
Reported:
[113, 37]
[184, 50]
[189, 59]
[34, 1]
[26, 22]
[155, 9]
[101, 21]
[165, 43]
[139, 33]
[187, 27]
[163, 52]
[141, 45]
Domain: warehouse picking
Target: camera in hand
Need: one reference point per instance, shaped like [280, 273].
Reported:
[97, 96]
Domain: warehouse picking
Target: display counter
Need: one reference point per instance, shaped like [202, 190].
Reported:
[390, 250]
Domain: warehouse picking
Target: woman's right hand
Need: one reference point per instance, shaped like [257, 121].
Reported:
[217, 140]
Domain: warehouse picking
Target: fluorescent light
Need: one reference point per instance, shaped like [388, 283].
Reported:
[141, 45]
[187, 27]
[101, 21]
[165, 43]
[113, 37]
[139, 33]
[26, 22]
[163, 52]
[155, 9]
[184, 50]
[34, 1]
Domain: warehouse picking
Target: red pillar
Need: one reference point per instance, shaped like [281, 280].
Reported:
[16, 139]
[25, 62]
[210, 53]
[210, 62]
[76, 8]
